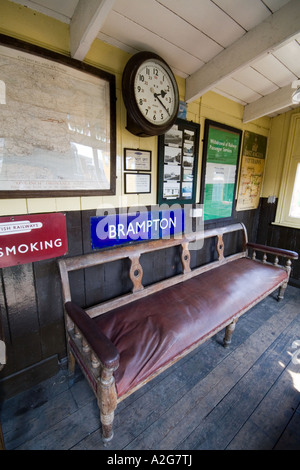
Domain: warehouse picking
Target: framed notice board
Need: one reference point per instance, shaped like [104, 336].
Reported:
[178, 162]
[221, 152]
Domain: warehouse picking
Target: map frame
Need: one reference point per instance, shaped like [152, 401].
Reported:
[89, 78]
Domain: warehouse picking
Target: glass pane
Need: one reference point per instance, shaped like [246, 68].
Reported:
[295, 204]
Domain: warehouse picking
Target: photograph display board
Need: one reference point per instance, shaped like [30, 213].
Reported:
[58, 124]
[178, 161]
[219, 170]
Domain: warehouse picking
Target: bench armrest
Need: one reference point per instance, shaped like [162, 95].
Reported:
[101, 345]
[273, 250]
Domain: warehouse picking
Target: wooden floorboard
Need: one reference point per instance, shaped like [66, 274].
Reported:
[245, 397]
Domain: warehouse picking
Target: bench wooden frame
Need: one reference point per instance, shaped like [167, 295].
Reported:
[95, 354]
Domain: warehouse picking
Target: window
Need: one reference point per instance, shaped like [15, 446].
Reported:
[288, 210]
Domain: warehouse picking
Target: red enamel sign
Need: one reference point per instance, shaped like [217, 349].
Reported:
[29, 238]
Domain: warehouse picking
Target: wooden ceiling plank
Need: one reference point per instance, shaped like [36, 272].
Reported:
[230, 97]
[270, 67]
[208, 18]
[239, 90]
[164, 23]
[277, 29]
[274, 5]
[289, 55]
[87, 20]
[142, 39]
[245, 13]
[255, 80]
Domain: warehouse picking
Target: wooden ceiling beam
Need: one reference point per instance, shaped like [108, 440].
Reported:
[272, 103]
[86, 23]
[277, 29]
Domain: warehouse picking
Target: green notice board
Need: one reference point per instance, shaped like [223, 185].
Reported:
[219, 171]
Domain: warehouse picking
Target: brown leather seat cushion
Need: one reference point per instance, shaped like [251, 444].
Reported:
[152, 331]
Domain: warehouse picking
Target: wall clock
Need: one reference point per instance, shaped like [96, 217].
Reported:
[150, 94]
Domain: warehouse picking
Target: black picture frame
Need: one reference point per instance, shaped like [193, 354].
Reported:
[43, 184]
[137, 183]
[220, 164]
[178, 152]
[137, 160]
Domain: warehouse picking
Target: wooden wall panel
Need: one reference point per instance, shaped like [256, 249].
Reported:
[23, 343]
[49, 308]
[278, 236]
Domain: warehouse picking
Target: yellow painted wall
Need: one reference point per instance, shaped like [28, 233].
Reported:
[23, 23]
[278, 140]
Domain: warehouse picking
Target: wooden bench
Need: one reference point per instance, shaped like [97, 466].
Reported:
[122, 343]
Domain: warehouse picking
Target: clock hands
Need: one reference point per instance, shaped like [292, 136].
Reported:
[156, 96]
[162, 94]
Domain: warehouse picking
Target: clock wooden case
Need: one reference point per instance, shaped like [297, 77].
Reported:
[150, 94]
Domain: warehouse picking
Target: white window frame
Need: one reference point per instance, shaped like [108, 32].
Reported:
[292, 160]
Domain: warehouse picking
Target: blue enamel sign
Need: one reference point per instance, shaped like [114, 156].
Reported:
[118, 229]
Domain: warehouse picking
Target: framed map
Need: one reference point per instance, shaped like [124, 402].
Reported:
[57, 124]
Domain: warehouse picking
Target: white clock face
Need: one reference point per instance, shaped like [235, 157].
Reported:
[154, 92]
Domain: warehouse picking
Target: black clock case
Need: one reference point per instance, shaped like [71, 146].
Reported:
[137, 124]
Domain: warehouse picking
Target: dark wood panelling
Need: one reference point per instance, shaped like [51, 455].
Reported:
[161, 265]
[74, 230]
[48, 286]
[28, 377]
[251, 220]
[86, 229]
[266, 217]
[23, 341]
[278, 236]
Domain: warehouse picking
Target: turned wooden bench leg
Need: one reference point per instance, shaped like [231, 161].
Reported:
[107, 402]
[282, 291]
[283, 287]
[71, 367]
[107, 426]
[228, 333]
[71, 363]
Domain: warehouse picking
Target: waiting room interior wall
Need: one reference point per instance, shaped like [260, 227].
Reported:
[33, 27]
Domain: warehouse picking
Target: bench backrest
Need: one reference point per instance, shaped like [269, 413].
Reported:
[134, 252]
